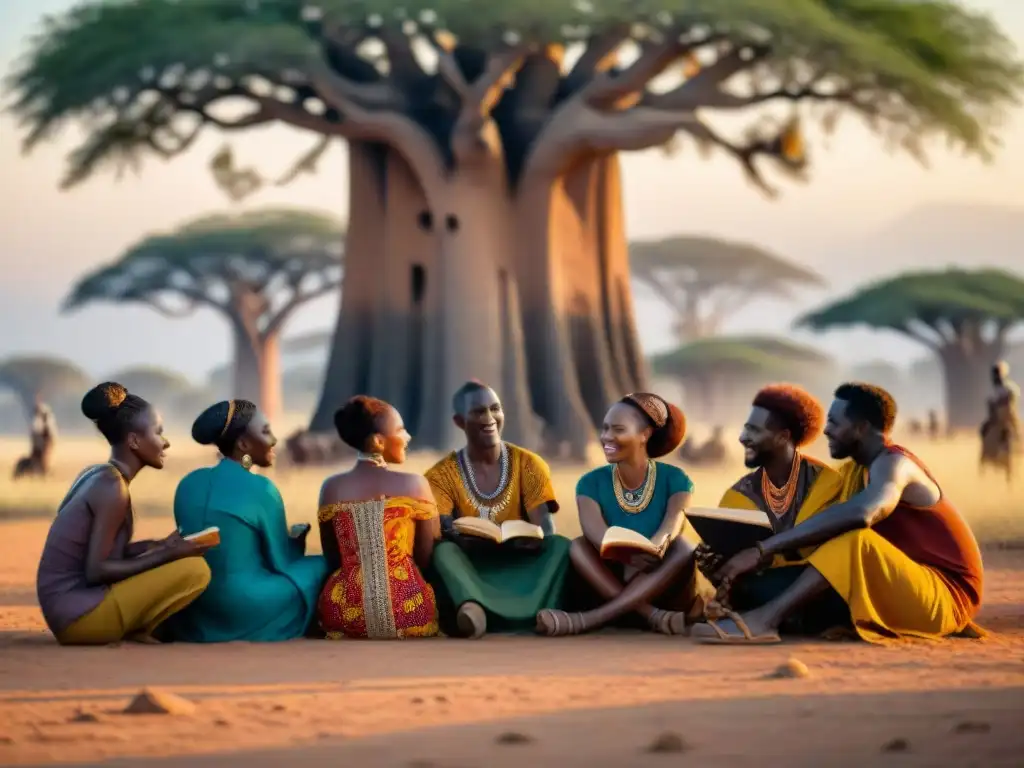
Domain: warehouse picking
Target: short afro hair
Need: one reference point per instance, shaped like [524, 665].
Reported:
[358, 420]
[867, 402]
[463, 392]
[795, 409]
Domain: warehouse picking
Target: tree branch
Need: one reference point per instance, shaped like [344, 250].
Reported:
[704, 88]
[298, 298]
[609, 89]
[598, 56]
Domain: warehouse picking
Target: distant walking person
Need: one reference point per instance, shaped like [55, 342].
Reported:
[43, 435]
[1001, 431]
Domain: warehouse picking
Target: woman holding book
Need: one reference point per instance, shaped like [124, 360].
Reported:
[264, 586]
[378, 528]
[632, 553]
[95, 585]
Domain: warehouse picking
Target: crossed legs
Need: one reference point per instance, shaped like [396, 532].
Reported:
[636, 595]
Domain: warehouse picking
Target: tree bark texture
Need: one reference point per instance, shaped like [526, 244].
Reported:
[967, 380]
[527, 292]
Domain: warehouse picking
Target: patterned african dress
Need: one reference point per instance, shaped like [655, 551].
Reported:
[378, 592]
[509, 584]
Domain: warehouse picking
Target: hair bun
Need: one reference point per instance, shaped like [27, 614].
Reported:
[103, 400]
[211, 423]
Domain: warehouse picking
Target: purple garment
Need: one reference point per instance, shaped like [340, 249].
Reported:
[64, 594]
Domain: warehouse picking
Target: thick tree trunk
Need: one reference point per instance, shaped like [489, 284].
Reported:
[270, 400]
[348, 365]
[967, 379]
[257, 374]
[529, 294]
[246, 379]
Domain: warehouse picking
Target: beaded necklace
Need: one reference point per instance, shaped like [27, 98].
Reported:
[779, 500]
[636, 500]
[487, 505]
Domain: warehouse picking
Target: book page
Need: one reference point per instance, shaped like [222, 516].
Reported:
[616, 538]
[520, 529]
[477, 526]
[209, 535]
[727, 514]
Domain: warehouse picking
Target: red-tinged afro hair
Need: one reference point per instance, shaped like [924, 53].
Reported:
[795, 409]
[667, 420]
[359, 419]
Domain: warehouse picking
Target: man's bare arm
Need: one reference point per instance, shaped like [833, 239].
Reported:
[890, 475]
[541, 516]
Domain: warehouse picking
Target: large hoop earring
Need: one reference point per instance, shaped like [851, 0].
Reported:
[246, 461]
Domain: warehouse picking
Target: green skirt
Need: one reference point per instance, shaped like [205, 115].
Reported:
[511, 586]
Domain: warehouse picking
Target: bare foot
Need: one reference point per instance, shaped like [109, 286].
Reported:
[734, 629]
[471, 621]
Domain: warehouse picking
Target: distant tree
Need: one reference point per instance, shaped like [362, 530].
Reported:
[156, 384]
[483, 139]
[704, 280]
[51, 377]
[963, 316]
[720, 373]
[256, 269]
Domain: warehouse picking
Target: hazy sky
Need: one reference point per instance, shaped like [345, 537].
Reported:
[47, 237]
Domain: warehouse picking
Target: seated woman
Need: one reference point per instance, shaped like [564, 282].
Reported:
[95, 585]
[377, 527]
[647, 497]
[264, 586]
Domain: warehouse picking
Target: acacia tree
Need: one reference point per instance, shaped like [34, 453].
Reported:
[962, 316]
[705, 279]
[53, 378]
[256, 269]
[720, 374]
[485, 199]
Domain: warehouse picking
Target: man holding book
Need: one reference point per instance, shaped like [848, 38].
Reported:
[501, 561]
[788, 487]
[893, 547]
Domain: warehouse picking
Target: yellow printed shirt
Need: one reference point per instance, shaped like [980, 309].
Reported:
[529, 486]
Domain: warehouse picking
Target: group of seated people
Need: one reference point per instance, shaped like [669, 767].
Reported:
[873, 547]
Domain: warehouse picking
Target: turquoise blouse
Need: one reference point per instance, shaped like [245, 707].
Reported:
[597, 485]
[263, 586]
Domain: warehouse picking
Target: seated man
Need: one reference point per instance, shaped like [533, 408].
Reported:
[490, 586]
[894, 548]
[787, 486]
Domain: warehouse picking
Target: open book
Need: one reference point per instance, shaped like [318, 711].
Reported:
[622, 543]
[727, 531]
[499, 534]
[208, 537]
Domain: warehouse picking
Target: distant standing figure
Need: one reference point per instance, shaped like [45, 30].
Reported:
[934, 428]
[43, 435]
[1001, 433]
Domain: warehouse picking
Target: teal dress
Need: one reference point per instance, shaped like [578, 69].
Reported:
[669, 480]
[263, 586]
[598, 486]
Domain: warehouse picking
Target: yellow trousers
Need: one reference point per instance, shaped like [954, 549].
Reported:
[140, 603]
[889, 595]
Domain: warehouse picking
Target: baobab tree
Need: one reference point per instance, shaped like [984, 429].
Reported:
[55, 379]
[963, 316]
[487, 232]
[256, 269]
[704, 279]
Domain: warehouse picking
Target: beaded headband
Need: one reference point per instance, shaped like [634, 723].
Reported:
[231, 415]
[652, 405]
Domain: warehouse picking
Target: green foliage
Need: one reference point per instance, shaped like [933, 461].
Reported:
[946, 303]
[129, 70]
[740, 356]
[219, 261]
[707, 263]
[51, 376]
